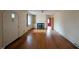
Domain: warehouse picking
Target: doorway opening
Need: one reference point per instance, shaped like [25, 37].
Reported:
[50, 22]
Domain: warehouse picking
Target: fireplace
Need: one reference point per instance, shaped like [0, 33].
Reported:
[40, 25]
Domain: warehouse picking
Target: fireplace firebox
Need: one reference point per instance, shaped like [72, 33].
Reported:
[40, 25]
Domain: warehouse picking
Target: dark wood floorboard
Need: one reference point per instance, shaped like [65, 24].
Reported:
[41, 39]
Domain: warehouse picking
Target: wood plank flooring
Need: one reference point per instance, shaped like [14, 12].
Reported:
[41, 39]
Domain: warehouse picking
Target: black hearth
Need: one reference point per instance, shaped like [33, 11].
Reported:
[40, 25]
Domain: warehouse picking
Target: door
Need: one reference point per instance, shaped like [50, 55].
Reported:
[50, 23]
[10, 27]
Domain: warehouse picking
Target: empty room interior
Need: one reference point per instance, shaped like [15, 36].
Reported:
[39, 29]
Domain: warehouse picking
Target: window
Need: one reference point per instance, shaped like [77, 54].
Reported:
[29, 22]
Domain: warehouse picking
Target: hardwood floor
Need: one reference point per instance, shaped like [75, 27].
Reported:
[41, 39]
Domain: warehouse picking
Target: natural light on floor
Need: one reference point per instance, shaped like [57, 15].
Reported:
[29, 39]
[49, 31]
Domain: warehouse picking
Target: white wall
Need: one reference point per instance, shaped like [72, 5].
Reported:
[22, 16]
[23, 22]
[0, 29]
[10, 27]
[22, 26]
[40, 18]
[67, 24]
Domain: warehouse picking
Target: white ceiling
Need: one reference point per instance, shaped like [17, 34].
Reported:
[48, 12]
